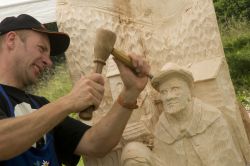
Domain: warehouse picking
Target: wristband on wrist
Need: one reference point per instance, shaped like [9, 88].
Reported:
[120, 101]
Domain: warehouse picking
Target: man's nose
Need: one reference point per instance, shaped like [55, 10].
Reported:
[47, 61]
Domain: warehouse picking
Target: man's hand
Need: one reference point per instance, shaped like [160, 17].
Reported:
[87, 91]
[134, 81]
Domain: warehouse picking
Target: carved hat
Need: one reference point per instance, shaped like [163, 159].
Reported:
[59, 41]
[170, 70]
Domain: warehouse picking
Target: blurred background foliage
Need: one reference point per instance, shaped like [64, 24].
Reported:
[234, 22]
[228, 9]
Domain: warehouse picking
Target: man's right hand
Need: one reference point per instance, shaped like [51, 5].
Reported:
[87, 91]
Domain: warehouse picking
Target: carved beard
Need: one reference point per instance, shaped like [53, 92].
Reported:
[174, 108]
[176, 105]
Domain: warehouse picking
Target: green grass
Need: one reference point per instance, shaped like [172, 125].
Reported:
[80, 163]
[236, 43]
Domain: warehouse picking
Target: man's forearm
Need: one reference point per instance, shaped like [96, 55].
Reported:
[106, 134]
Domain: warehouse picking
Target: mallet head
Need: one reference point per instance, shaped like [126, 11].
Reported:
[104, 44]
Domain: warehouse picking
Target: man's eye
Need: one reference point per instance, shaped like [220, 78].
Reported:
[41, 49]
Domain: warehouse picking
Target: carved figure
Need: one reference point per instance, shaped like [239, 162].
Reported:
[189, 132]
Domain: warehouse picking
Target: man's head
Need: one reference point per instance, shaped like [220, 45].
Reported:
[59, 41]
[175, 85]
[26, 46]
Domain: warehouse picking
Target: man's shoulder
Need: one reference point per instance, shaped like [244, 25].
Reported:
[40, 99]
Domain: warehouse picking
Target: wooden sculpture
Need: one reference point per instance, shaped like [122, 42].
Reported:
[189, 132]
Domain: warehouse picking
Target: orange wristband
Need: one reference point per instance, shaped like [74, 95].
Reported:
[131, 106]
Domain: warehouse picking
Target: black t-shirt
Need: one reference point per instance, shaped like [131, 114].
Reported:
[67, 134]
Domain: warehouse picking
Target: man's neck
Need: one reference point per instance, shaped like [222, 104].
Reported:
[7, 78]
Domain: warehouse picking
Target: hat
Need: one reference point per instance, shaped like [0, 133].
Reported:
[59, 41]
[168, 71]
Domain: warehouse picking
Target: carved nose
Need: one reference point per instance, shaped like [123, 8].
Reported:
[170, 96]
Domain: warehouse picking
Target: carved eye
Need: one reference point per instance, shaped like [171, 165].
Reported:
[164, 92]
[175, 89]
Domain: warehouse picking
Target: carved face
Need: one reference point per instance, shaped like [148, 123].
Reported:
[175, 95]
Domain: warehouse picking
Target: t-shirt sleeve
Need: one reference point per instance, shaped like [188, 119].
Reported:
[67, 135]
[4, 109]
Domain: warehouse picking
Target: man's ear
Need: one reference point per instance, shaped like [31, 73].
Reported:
[10, 40]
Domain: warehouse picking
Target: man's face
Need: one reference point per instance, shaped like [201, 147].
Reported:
[32, 56]
[175, 95]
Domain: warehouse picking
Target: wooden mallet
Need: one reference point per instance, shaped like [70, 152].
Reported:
[104, 46]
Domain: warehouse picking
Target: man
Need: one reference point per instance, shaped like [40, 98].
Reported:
[36, 132]
[189, 132]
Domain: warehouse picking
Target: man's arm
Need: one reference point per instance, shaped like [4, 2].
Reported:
[103, 136]
[19, 133]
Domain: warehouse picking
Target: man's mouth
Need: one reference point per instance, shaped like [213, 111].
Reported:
[38, 69]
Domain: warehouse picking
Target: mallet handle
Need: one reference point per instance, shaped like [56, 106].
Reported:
[88, 112]
[121, 56]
